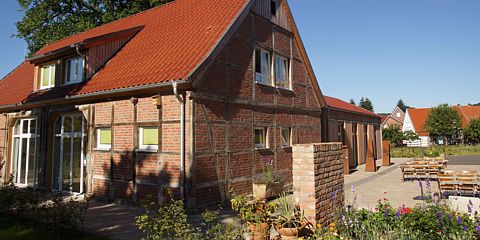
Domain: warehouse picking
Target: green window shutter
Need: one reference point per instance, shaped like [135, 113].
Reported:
[150, 136]
[106, 136]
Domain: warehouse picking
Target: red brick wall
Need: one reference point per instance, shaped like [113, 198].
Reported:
[228, 105]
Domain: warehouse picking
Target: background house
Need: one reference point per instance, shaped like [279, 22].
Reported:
[396, 118]
[415, 121]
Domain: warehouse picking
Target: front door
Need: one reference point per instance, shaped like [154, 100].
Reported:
[69, 165]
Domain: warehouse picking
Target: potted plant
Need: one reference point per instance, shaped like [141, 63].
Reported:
[268, 184]
[290, 222]
[256, 214]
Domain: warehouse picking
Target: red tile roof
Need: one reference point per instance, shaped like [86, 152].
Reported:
[468, 113]
[342, 105]
[419, 117]
[175, 39]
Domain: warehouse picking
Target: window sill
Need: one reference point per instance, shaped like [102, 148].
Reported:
[147, 150]
[102, 149]
[263, 149]
[286, 147]
[264, 84]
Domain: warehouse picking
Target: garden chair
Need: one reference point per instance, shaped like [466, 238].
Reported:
[447, 182]
[408, 170]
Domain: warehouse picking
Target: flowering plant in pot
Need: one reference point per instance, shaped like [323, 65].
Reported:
[268, 184]
[256, 214]
[290, 222]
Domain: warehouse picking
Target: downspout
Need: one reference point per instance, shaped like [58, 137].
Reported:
[181, 100]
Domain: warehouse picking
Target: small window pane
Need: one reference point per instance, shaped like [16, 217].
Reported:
[150, 136]
[262, 67]
[281, 72]
[105, 136]
[33, 126]
[45, 77]
[260, 138]
[285, 137]
[25, 126]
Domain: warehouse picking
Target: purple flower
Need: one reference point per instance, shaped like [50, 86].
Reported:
[465, 228]
[459, 220]
[477, 228]
[428, 183]
[469, 208]
[397, 214]
[353, 188]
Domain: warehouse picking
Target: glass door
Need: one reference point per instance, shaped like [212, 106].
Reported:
[24, 149]
[69, 153]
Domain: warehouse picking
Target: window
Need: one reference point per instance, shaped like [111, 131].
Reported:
[74, 70]
[24, 152]
[104, 138]
[398, 115]
[286, 137]
[47, 79]
[282, 72]
[273, 7]
[263, 67]
[148, 138]
[261, 137]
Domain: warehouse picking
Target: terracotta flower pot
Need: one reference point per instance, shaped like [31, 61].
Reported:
[288, 233]
[259, 231]
[264, 191]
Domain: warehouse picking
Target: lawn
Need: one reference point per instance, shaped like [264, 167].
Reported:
[456, 150]
[12, 228]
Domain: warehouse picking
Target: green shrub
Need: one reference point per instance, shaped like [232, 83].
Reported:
[412, 152]
[57, 213]
[170, 221]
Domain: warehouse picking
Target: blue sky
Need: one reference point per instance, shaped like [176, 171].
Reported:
[426, 52]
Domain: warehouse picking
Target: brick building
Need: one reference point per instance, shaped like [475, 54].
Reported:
[177, 97]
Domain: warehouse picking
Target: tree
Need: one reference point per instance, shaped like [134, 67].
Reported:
[443, 122]
[471, 132]
[50, 20]
[396, 136]
[401, 105]
[393, 134]
[366, 104]
[352, 101]
[474, 104]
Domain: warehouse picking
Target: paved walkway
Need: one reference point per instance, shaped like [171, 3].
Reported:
[367, 188]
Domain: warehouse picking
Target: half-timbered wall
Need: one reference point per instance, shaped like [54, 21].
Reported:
[229, 104]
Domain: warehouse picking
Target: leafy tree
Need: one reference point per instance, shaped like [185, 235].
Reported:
[352, 101]
[443, 122]
[474, 104]
[393, 134]
[471, 132]
[50, 20]
[366, 104]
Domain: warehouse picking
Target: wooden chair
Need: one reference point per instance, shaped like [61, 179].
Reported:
[408, 170]
[447, 182]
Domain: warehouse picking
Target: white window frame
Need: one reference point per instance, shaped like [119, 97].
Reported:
[101, 146]
[142, 146]
[79, 77]
[30, 137]
[289, 140]
[265, 144]
[51, 68]
[286, 68]
[267, 77]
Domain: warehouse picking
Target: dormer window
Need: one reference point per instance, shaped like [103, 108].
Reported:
[47, 76]
[74, 70]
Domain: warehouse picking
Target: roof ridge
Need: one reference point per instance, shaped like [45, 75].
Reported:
[133, 15]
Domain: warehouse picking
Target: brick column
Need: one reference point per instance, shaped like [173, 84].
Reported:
[318, 179]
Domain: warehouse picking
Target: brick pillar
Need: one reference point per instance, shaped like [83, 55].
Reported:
[386, 154]
[318, 180]
[371, 164]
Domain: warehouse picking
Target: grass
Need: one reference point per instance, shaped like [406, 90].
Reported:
[457, 150]
[12, 228]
